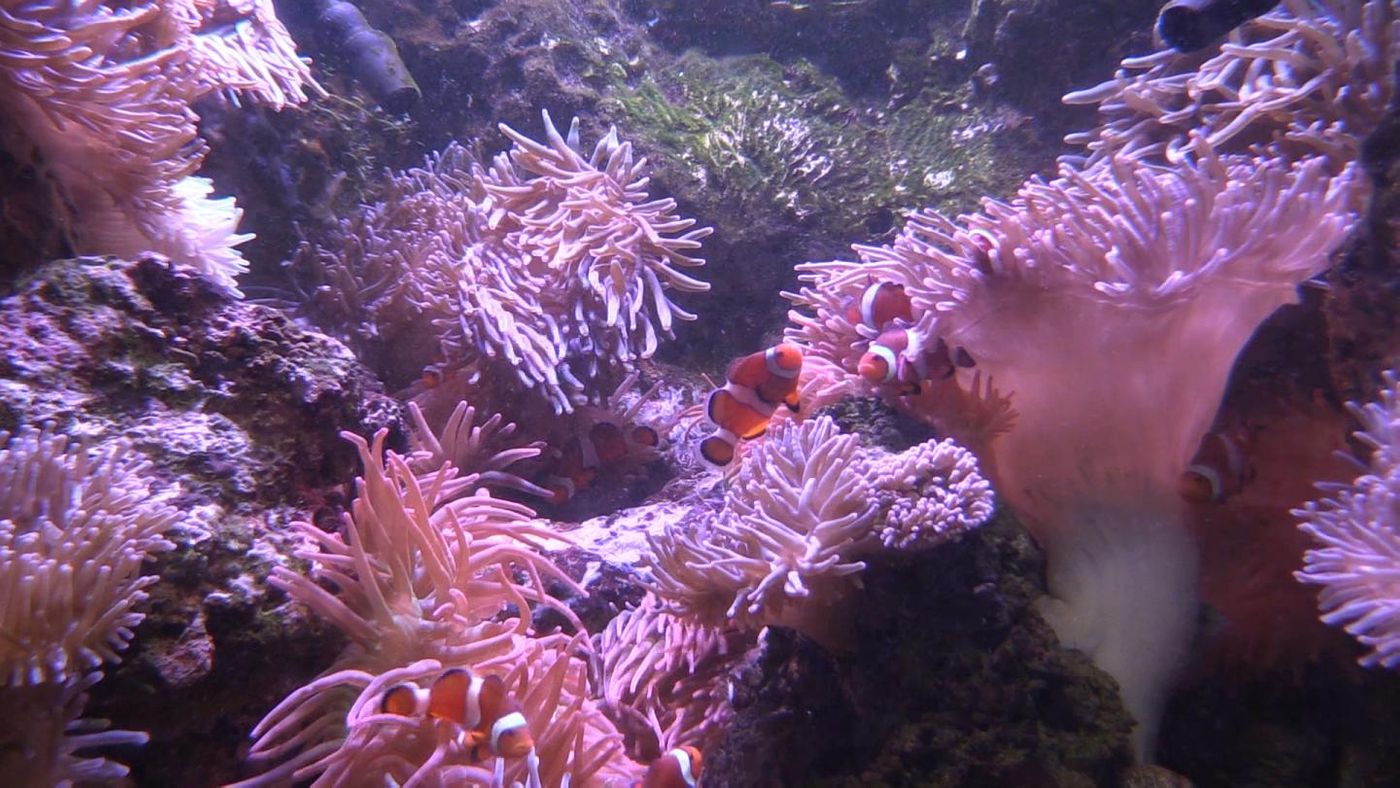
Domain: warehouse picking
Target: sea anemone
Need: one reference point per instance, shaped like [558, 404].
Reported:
[1357, 528]
[1112, 302]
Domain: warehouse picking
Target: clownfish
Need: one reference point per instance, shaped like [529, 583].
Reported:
[1220, 469]
[678, 768]
[755, 386]
[435, 375]
[879, 305]
[899, 357]
[490, 718]
[604, 444]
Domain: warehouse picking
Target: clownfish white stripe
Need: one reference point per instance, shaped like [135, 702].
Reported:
[421, 697]
[1234, 458]
[749, 399]
[891, 363]
[473, 704]
[867, 305]
[1212, 477]
[589, 450]
[770, 360]
[915, 348]
[505, 724]
[683, 760]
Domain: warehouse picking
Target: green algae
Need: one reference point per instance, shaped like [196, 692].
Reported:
[782, 142]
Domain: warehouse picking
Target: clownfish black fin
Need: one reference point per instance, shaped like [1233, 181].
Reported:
[963, 358]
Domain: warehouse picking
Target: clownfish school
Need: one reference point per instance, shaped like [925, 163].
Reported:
[490, 718]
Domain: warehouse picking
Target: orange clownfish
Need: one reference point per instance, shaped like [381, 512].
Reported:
[679, 768]
[490, 717]
[754, 387]
[880, 304]
[899, 356]
[1220, 469]
[604, 444]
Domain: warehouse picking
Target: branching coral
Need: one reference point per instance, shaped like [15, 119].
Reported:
[929, 495]
[1311, 77]
[75, 526]
[1357, 561]
[549, 268]
[102, 93]
[807, 504]
[426, 584]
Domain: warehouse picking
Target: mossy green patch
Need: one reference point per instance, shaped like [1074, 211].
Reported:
[763, 139]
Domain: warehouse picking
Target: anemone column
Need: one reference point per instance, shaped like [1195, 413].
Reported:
[1112, 303]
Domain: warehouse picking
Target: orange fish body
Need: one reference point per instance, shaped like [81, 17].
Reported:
[754, 387]
[490, 718]
[1221, 468]
[576, 468]
[902, 358]
[678, 768]
[880, 304]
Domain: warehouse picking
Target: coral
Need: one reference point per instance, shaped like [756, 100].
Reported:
[1357, 533]
[427, 584]
[791, 167]
[929, 495]
[1114, 300]
[238, 400]
[546, 271]
[954, 680]
[75, 526]
[807, 504]
[102, 94]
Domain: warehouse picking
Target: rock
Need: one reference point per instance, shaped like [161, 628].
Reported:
[239, 409]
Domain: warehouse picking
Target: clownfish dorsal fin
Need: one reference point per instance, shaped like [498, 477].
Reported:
[748, 371]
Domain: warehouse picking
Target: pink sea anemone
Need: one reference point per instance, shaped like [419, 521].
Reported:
[1357, 532]
[1111, 303]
